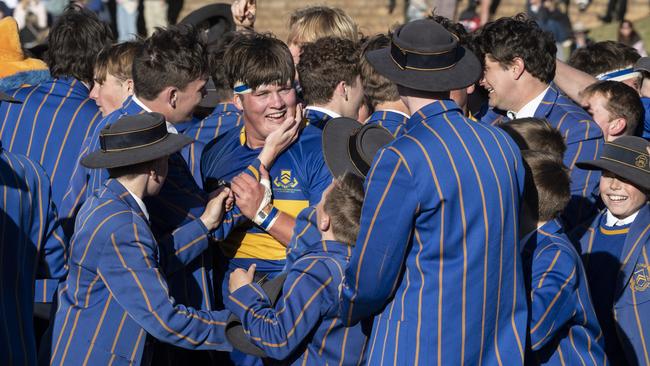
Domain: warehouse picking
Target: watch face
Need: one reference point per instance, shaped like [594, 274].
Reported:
[262, 215]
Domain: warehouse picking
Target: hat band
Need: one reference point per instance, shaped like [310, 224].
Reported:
[631, 158]
[241, 88]
[409, 60]
[129, 140]
[355, 156]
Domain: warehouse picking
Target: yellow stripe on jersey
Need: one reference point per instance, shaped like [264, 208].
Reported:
[614, 232]
[262, 245]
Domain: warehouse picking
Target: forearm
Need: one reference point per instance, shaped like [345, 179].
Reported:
[282, 230]
[572, 81]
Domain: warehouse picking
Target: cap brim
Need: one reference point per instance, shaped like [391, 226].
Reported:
[235, 330]
[336, 135]
[114, 159]
[629, 173]
[461, 75]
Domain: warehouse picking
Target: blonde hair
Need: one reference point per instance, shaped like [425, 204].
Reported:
[309, 24]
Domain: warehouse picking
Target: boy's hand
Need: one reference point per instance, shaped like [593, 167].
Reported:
[277, 141]
[219, 201]
[243, 13]
[240, 278]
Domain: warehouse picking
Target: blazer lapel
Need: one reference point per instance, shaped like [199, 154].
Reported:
[638, 235]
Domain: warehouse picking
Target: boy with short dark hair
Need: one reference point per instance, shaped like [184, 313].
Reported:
[615, 107]
[304, 327]
[615, 250]
[330, 78]
[563, 325]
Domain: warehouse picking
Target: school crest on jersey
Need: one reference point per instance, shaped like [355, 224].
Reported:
[285, 181]
[641, 278]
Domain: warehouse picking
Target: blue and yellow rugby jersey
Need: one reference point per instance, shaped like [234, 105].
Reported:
[393, 121]
[298, 178]
[224, 118]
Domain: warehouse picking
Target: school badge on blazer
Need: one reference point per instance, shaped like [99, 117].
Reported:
[640, 280]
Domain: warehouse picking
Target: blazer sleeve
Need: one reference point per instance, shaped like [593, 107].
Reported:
[130, 271]
[387, 220]
[75, 195]
[281, 329]
[553, 285]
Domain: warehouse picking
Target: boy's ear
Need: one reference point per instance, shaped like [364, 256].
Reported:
[617, 126]
[324, 222]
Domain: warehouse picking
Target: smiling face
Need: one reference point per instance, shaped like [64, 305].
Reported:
[499, 83]
[265, 108]
[620, 196]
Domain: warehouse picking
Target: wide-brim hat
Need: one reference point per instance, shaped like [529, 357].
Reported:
[135, 139]
[627, 157]
[642, 64]
[234, 329]
[350, 146]
[214, 19]
[423, 55]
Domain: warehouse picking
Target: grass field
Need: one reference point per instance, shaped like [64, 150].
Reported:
[608, 31]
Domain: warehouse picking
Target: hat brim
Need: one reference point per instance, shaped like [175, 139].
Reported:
[632, 174]
[8, 98]
[336, 149]
[235, 330]
[462, 74]
[642, 64]
[115, 159]
[219, 17]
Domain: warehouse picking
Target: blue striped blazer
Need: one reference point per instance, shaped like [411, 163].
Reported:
[303, 328]
[632, 293]
[584, 140]
[437, 256]
[316, 118]
[390, 120]
[225, 117]
[179, 202]
[48, 127]
[116, 292]
[32, 246]
[564, 329]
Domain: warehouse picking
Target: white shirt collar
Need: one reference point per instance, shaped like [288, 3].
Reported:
[324, 110]
[612, 220]
[529, 109]
[140, 203]
[170, 126]
[394, 111]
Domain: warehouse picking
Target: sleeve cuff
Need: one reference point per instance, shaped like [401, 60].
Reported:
[243, 299]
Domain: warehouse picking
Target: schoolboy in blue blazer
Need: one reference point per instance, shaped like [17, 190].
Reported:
[615, 250]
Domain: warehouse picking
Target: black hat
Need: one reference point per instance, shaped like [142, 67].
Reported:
[234, 329]
[349, 146]
[8, 98]
[626, 157]
[642, 64]
[423, 55]
[134, 139]
[214, 19]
